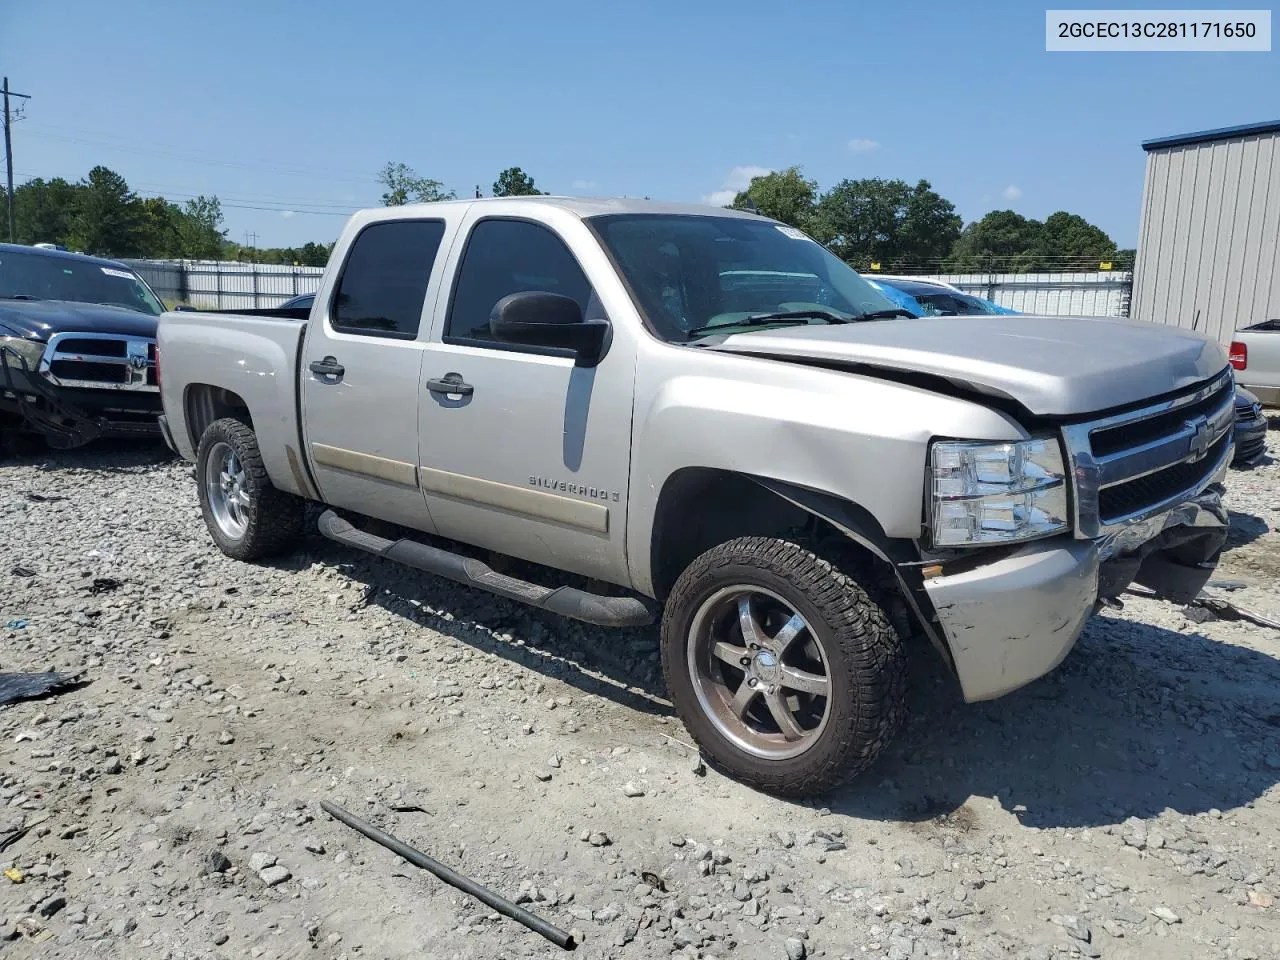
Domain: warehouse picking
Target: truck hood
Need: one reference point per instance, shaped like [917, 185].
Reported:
[1051, 366]
[41, 319]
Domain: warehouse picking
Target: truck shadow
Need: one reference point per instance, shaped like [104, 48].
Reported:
[1245, 528]
[619, 665]
[1137, 720]
[108, 456]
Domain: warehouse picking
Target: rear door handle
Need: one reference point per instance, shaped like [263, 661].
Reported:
[451, 383]
[328, 367]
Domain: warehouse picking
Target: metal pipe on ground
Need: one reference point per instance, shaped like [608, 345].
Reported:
[419, 859]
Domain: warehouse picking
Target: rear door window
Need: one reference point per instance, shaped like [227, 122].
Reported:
[384, 281]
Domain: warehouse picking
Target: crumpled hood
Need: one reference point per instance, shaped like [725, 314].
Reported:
[41, 319]
[1052, 366]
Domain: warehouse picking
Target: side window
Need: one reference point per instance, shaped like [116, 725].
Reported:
[510, 256]
[384, 281]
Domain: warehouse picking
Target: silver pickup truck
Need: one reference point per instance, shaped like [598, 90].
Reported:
[709, 411]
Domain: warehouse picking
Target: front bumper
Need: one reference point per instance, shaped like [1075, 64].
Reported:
[1251, 440]
[77, 415]
[1011, 621]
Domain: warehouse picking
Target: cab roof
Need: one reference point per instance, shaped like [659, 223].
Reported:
[585, 207]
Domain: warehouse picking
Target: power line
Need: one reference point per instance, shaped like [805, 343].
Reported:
[261, 167]
[8, 153]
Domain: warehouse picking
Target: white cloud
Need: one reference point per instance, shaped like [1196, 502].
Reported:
[583, 184]
[863, 145]
[737, 180]
[1011, 193]
[286, 213]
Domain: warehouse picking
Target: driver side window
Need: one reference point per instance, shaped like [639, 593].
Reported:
[510, 256]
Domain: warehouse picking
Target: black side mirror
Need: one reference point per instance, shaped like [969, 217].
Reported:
[543, 319]
[184, 308]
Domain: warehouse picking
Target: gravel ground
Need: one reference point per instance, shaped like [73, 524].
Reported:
[1125, 806]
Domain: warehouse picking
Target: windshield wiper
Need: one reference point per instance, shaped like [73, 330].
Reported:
[758, 318]
[885, 314]
[20, 296]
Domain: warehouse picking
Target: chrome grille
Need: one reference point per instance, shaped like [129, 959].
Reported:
[100, 361]
[1132, 465]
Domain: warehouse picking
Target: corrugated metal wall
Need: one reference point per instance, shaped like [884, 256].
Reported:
[1209, 239]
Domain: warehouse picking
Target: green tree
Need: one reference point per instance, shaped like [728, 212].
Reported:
[199, 228]
[784, 195]
[44, 210]
[1069, 241]
[109, 218]
[159, 229]
[404, 185]
[315, 254]
[880, 220]
[1002, 241]
[514, 182]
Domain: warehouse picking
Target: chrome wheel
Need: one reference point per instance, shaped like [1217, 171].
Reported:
[226, 484]
[759, 672]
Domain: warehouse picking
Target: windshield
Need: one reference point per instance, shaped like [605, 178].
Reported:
[957, 303]
[42, 277]
[689, 272]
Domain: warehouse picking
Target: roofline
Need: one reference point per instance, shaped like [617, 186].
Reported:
[64, 254]
[1212, 136]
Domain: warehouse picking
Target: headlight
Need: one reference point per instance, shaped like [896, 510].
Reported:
[29, 350]
[987, 493]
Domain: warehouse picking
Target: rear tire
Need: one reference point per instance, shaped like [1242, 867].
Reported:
[784, 670]
[247, 517]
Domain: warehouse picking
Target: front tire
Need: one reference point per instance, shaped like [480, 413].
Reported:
[248, 518]
[784, 670]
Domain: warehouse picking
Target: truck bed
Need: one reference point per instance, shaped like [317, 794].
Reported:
[219, 359]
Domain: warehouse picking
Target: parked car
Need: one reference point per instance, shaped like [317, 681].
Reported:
[1255, 354]
[700, 407]
[302, 301]
[1251, 429]
[77, 347]
[900, 297]
[941, 298]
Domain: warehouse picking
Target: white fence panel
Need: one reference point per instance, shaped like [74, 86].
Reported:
[1097, 294]
[228, 285]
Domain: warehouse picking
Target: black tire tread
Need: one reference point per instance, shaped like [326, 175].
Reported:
[275, 517]
[872, 652]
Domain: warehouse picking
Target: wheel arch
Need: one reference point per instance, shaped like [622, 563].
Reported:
[700, 507]
[203, 403]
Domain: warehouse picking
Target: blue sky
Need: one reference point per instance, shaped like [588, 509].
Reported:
[294, 106]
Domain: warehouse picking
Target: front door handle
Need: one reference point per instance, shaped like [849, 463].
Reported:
[328, 367]
[451, 383]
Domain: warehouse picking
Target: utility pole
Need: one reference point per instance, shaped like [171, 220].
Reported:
[8, 152]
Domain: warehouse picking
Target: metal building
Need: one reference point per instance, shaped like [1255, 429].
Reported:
[1209, 239]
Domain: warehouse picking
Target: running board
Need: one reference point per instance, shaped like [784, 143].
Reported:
[566, 601]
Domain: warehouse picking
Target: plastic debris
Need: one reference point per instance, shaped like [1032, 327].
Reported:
[43, 497]
[105, 585]
[23, 572]
[14, 874]
[18, 624]
[26, 686]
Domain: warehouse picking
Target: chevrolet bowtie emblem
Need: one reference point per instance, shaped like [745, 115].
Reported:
[1200, 437]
